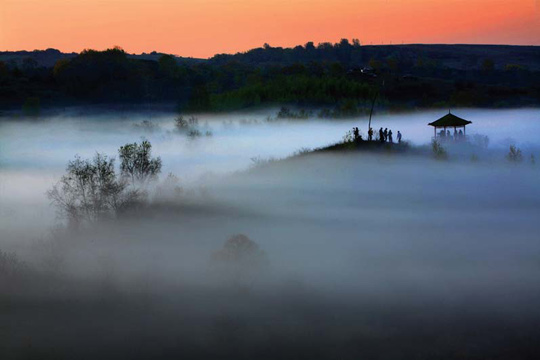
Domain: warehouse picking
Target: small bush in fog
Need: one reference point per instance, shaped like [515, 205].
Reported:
[258, 162]
[514, 155]
[90, 190]
[438, 150]
[348, 137]
[302, 151]
[137, 164]
[170, 188]
[181, 123]
[481, 141]
[194, 133]
[190, 127]
[240, 259]
[286, 113]
[146, 126]
[10, 265]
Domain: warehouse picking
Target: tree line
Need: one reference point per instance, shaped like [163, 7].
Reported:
[310, 75]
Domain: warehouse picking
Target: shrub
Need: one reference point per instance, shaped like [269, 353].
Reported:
[240, 260]
[258, 162]
[90, 190]
[190, 127]
[438, 150]
[514, 155]
[286, 113]
[302, 151]
[147, 126]
[181, 123]
[31, 106]
[137, 164]
[169, 188]
[348, 137]
[481, 141]
[10, 265]
[194, 133]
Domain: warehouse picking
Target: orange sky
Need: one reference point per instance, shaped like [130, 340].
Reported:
[201, 28]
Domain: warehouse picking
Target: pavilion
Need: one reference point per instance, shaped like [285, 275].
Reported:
[449, 121]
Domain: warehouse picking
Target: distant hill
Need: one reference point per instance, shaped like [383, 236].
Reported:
[45, 58]
[49, 57]
[460, 57]
[338, 79]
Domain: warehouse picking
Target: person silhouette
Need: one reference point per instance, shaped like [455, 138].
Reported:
[399, 137]
[370, 134]
[381, 135]
[385, 134]
[390, 136]
[356, 133]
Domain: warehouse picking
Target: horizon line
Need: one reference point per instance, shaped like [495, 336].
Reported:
[275, 47]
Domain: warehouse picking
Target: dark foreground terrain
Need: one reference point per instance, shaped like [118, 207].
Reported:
[288, 322]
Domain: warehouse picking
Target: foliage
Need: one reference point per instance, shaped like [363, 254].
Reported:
[302, 151]
[488, 65]
[324, 75]
[439, 152]
[182, 124]
[514, 154]
[31, 106]
[481, 141]
[10, 265]
[287, 113]
[168, 66]
[348, 137]
[297, 88]
[90, 191]
[147, 126]
[257, 161]
[240, 260]
[190, 126]
[169, 188]
[137, 164]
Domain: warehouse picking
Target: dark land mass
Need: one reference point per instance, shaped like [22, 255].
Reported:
[338, 79]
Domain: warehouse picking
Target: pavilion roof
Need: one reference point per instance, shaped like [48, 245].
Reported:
[450, 120]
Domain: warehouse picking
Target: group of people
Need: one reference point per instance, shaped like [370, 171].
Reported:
[457, 135]
[384, 135]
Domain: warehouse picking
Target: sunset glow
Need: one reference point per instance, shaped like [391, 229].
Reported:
[202, 28]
